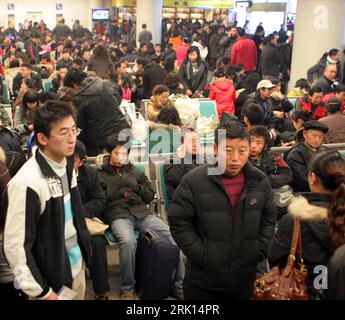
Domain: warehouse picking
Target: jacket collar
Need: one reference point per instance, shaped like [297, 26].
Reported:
[310, 207]
[46, 169]
[252, 177]
[111, 169]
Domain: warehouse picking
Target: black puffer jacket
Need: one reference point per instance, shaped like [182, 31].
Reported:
[276, 169]
[195, 82]
[127, 191]
[271, 61]
[298, 158]
[91, 192]
[173, 174]
[312, 210]
[99, 115]
[222, 251]
[153, 75]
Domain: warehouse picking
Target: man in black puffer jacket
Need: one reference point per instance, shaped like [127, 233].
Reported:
[99, 115]
[223, 220]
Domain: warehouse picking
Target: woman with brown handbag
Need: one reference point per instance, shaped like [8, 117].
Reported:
[316, 211]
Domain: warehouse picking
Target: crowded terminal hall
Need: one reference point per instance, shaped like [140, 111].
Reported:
[172, 150]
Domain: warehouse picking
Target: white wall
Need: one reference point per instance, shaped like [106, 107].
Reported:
[72, 10]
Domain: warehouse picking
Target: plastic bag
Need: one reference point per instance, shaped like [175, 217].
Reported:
[206, 126]
[189, 111]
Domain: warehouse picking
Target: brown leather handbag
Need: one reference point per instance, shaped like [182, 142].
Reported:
[289, 283]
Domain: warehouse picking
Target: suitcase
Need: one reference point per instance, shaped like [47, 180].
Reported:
[156, 265]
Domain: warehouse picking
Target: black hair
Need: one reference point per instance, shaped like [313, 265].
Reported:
[80, 150]
[305, 115]
[14, 64]
[268, 39]
[339, 88]
[66, 50]
[78, 61]
[329, 167]
[29, 83]
[333, 52]
[26, 65]
[118, 64]
[101, 52]
[262, 132]
[142, 45]
[118, 140]
[144, 26]
[74, 76]
[30, 96]
[303, 84]
[49, 113]
[252, 81]
[194, 49]
[61, 66]
[127, 80]
[48, 95]
[169, 115]
[254, 114]
[219, 73]
[231, 72]
[315, 89]
[333, 105]
[169, 64]
[233, 130]
[241, 31]
[159, 89]
[143, 62]
[186, 131]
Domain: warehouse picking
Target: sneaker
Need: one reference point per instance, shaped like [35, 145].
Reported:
[129, 296]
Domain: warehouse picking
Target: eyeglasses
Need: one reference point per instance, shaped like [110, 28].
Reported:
[74, 132]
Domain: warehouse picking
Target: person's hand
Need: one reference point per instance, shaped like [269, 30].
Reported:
[189, 93]
[181, 151]
[277, 95]
[279, 114]
[52, 296]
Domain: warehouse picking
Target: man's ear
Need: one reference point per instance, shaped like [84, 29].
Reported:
[42, 139]
[313, 179]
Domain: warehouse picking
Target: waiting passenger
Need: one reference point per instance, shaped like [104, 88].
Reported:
[298, 157]
[128, 191]
[158, 101]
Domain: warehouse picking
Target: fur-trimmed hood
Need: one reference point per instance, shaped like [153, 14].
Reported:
[306, 211]
[158, 125]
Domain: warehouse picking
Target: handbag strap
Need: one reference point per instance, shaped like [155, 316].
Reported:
[296, 246]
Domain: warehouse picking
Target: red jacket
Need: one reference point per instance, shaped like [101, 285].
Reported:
[181, 53]
[223, 91]
[318, 112]
[244, 52]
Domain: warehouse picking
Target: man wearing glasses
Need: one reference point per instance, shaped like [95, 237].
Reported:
[46, 241]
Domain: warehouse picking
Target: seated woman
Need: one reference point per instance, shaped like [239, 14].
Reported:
[57, 82]
[158, 101]
[299, 118]
[128, 191]
[168, 118]
[301, 89]
[24, 115]
[320, 211]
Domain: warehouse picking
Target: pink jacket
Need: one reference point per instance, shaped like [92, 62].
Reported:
[223, 91]
[126, 94]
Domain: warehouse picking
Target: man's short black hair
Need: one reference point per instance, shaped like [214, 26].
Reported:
[333, 105]
[315, 89]
[340, 88]
[232, 130]
[26, 65]
[118, 140]
[262, 132]
[143, 62]
[80, 150]
[144, 26]
[51, 112]
[254, 114]
[74, 76]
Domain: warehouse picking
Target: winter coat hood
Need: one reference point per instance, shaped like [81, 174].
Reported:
[305, 211]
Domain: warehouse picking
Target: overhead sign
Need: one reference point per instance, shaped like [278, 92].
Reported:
[10, 6]
[59, 6]
[227, 4]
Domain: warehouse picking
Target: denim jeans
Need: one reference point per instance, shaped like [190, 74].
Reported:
[124, 231]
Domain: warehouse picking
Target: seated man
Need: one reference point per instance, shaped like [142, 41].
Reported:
[128, 192]
[187, 159]
[298, 157]
[94, 200]
[276, 169]
[313, 102]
